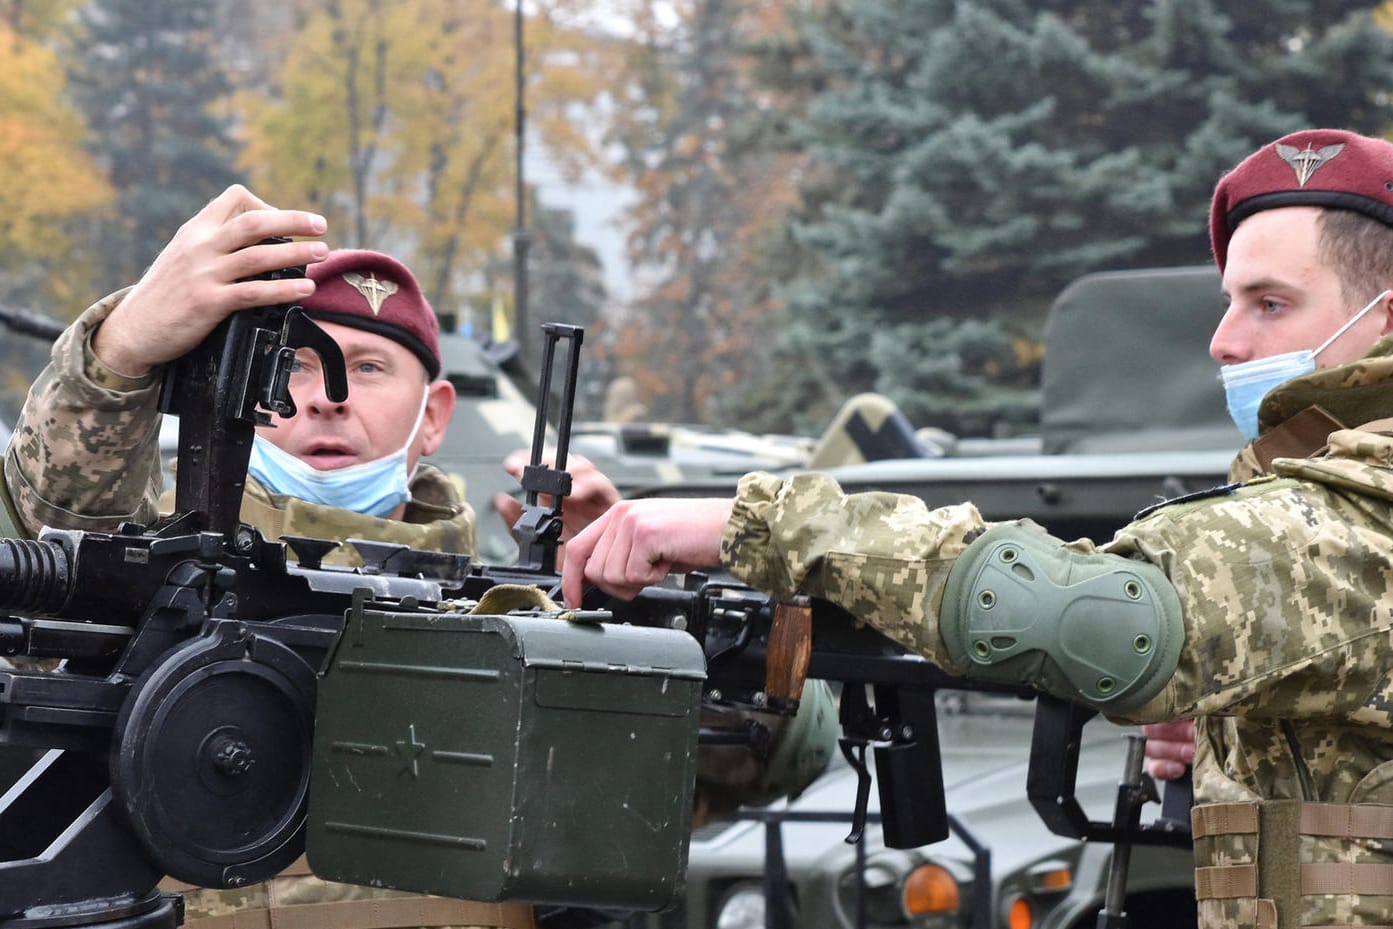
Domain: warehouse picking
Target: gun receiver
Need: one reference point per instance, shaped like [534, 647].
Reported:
[178, 730]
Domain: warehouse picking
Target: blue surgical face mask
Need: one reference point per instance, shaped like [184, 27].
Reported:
[375, 488]
[1246, 384]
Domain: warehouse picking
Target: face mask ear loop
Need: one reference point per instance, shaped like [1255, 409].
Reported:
[420, 418]
[1351, 321]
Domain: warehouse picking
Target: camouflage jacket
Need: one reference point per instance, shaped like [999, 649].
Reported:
[1286, 588]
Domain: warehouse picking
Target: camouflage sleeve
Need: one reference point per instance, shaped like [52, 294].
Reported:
[85, 452]
[1282, 591]
[885, 557]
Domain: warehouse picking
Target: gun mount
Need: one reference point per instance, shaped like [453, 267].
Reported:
[179, 727]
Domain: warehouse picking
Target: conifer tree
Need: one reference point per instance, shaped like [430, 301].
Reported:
[154, 94]
[971, 158]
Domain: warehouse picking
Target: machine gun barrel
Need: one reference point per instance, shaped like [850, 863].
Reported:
[35, 576]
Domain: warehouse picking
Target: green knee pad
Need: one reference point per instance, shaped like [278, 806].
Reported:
[1098, 629]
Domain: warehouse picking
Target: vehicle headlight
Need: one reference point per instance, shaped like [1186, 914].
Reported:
[742, 908]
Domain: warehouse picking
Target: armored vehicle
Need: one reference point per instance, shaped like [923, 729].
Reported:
[494, 416]
[1132, 414]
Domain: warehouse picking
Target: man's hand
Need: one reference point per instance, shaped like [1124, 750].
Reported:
[194, 283]
[640, 542]
[591, 493]
[1170, 748]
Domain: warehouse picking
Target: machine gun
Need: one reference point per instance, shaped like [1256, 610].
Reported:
[199, 657]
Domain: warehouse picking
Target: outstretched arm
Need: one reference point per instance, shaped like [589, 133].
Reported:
[639, 542]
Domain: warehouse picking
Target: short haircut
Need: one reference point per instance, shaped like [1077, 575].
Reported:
[1360, 251]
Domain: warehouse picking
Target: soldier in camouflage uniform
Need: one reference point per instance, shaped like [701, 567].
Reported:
[1262, 609]
[84, 455]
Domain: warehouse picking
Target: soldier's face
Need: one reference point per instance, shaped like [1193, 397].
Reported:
[386, 386]
[1284, 298]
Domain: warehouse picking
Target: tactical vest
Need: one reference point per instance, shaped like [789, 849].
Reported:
[295, 899]
[1284, 864]
[437, 518]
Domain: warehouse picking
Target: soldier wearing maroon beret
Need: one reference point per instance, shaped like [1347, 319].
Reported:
[85, 456]
[1262, 610]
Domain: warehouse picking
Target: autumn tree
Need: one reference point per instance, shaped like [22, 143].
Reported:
[155, 96]
[687, 117]
[50, 181]
[50, 185]
[395, 120]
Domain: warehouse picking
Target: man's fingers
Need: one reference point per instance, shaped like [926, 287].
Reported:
[1166, 750]
[509, 508]
[1164, 770]
[1170, 748]
[579, 551]
[1179, 730]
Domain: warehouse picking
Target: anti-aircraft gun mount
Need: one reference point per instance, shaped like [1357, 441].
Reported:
[200, 658]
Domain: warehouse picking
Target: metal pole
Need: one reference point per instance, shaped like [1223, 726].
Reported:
[521, 240]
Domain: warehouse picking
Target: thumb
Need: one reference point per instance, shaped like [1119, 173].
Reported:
[508, 508]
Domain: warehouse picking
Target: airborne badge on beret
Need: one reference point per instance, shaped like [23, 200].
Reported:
[1306, 162]
[374, 291]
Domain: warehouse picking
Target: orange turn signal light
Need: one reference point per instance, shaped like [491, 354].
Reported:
[1021, 915]
[1049, 880]
[928, 889]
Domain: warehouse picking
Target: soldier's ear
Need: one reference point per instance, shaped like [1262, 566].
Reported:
[440, 406]
[1385, 311]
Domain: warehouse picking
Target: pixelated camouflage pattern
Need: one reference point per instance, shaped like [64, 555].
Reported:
[256, 905]
[1286, 586]
[437, 518]
[85, 452]
[884, 557]
[1353, 393]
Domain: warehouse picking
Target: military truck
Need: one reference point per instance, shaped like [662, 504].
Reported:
[1133, 413]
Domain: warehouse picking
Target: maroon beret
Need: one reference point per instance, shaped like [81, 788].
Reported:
[1314, 167]
[368, 290]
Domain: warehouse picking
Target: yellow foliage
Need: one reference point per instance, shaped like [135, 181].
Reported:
[35, 21]
[396, 119]
[48, 177]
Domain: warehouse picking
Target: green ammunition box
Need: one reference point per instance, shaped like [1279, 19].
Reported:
[506, 758]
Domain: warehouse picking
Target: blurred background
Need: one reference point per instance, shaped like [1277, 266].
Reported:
[758, 208]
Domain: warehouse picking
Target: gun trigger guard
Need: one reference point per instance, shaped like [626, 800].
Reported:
[855, 754]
